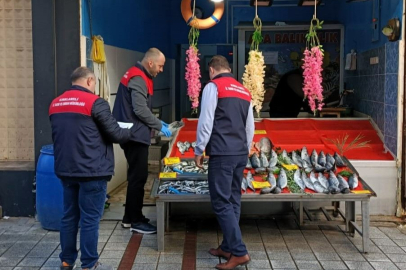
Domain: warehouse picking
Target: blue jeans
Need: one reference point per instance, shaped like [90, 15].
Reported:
[225, 176]
[83, 205]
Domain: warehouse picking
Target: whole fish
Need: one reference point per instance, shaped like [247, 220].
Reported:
[343, 185]
[297, 159]
[339, 160]
[277, 190]
[193, 145]
[272, 181]
[307, 166]
[286, 157]
[322, 159]
[249, 181]
[323, 180]
[314, 157]
[330, 166]
[312, 177]
[264, 146]
[307, 181]
[319, 188]
[333, 183]
[282, 179]
[263, 159]
[255, 162]
[266, 190]
[274, 159]
[181, 147]
[353, 181]
[248, 166]
[298, 180]
[187, 145]
[244, 184]
[305, 155]
[318, 168]
[330, 159]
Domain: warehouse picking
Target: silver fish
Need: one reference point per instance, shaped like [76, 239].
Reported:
[318, 168]
[343, 185]
[282, 179]
[333, 183]
[330, 167]
[339, 160]
[187, 145]
[193, 145]
[298, 180]
[330, 159]
[297, 159]
[264, 146]
[286, 157]
[307, 166]
[272, 181]
[305, 155]
[323, 180]
[307, 181]
[313, 177]
[353, 181]
[274, 159]
[248, 166]
[249, 181]
[266, 190]
[255, 162]
[277, 190]
[314, 157]
[319, 188]
[244, 184]
[263, 159]
[322, 159]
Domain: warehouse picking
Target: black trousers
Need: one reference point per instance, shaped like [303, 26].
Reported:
[137, 157]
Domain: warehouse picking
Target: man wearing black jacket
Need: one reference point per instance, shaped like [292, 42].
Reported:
[83, 132]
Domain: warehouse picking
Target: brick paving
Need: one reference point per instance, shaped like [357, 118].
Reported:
[273, 244]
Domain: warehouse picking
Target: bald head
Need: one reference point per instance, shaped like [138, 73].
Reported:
[153, 61]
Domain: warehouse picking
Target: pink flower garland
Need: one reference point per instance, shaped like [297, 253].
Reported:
[313, 90]
[192, 76]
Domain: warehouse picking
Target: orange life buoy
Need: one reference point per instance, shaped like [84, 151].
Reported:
[214, 19]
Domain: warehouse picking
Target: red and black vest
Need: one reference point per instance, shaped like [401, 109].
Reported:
[123, 109]
[79, 147]
[229, 136]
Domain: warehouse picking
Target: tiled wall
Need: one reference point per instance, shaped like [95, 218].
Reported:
[16, 81]
[376, 89]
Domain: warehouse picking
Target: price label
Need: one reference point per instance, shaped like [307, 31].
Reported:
[168, 175]
[258, 184]
[171, 160]
[259, 132]
[290, 167]
[361, 191]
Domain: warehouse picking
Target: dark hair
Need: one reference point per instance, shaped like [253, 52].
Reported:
[219, 62]
[81, 73]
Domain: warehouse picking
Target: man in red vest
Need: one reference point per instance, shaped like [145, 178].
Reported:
[83, 132]
[225, 131]
[133, 106]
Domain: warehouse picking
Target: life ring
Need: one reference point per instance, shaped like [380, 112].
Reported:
[185, 7]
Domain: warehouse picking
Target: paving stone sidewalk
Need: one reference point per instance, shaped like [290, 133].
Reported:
[273, 244]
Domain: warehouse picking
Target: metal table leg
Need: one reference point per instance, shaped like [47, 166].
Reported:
[349, 216]
[160, 208]
[167, 212]
[301, 213]
[365, 225]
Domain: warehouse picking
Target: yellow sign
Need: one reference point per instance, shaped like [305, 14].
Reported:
[167, 175]
[258, 184]
[290, 167]
[361, 191]
[171, 160]
[259, 132]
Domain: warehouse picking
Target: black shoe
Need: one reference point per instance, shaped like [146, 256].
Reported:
[127, 224]
[143, 227]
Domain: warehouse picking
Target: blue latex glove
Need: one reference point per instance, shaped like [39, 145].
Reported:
[166, 131]
[164, 124]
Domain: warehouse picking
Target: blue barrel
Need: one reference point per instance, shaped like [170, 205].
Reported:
[49, 191]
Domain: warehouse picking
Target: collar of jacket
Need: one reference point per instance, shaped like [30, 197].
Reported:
[138, 65]
[80, 88]
[223, 75]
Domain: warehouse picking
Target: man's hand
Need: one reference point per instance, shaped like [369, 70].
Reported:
[164, 124]
[199, 161]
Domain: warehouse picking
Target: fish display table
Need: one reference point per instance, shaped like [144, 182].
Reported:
[182, 182]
